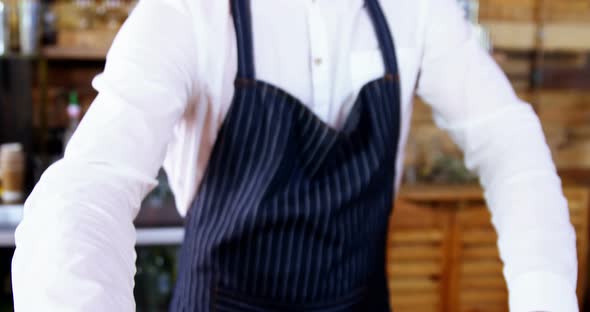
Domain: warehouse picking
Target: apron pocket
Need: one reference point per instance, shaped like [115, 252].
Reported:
[230, 301]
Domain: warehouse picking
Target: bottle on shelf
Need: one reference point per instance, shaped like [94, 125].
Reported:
[4, 28]
[48, 25]
[74, 114]
[12, 173]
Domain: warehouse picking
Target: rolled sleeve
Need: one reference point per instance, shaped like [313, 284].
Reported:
[75, 245]
[503, 142]
[542, 291]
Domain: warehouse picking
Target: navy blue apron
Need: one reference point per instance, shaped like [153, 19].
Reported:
[292, 214]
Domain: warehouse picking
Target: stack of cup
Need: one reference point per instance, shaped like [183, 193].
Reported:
[12, 172]
[28, 16]
[4, 28]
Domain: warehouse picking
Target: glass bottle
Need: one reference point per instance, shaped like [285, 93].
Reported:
[74, 113]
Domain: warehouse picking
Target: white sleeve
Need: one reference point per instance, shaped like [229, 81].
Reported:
[504, 143]
[75, 245]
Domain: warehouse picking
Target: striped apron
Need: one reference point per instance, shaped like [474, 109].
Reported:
[292, 214]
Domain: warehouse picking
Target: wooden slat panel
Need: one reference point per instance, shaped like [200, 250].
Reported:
[478, 217]
[520, 36]
[512, 35]
[480, 252]
[514, 66]
[500, 297]
[401, 285]
[564, 116]
[482, 268]
[415, 259]
[524, 10]
[570, 10]
[567, 37]
[407, 215]
[479, 237]
[478, 282]
[441, 194]
[412, 269]
[577, 199]
[578, 222]
[577, 208]
[415, 252]
[466, 274]
[427, 235]
[573, 156]
[578, 202]
[422, 308]
[416, 300]
[518, 10]
[483, 307]
[564, 107]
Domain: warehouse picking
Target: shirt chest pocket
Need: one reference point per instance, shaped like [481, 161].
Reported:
[368, 65]
[365, 66]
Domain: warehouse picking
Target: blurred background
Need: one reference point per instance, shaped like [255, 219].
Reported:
[441, 247]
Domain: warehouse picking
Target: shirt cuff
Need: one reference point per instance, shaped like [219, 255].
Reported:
[542, 291]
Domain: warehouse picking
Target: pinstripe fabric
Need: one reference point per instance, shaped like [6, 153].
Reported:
[292, 214]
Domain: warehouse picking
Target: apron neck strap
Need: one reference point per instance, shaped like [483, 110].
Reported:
[243, 25]
[384, 36]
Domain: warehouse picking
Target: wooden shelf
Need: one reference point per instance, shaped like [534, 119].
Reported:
[506, 35]
[564, 115]
[441, 193]
[18, 56]
[557, 36]
[528, 10]
[74, 54]
[11, 215]
[145, 237]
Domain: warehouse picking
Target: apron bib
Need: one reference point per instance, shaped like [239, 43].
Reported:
[292, 214]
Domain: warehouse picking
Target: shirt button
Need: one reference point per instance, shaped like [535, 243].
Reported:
[318, 61]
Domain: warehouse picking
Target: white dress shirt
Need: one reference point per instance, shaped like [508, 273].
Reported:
[167, 87]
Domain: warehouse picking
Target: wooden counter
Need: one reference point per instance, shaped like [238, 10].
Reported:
[442, 253]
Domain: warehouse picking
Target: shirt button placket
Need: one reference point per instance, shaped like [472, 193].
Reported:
[319, 70]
